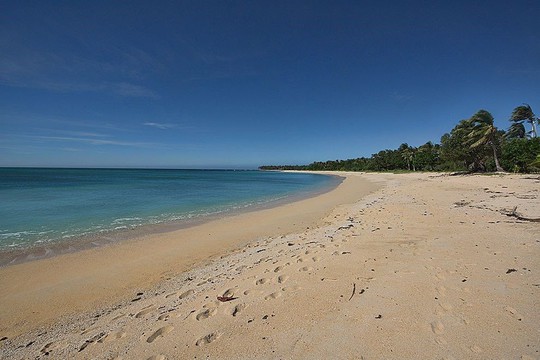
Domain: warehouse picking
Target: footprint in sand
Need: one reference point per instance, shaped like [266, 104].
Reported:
[238, 309]
[205, 314]
[164, 317]
[437, 327]
[113, 336]
[48, 348]
[273, 295]
[291, 288]
[282, 279]
[157, 357]
[316, 258]
[171, 294]
[92, 340]
[305, 268]
[208, 339]
[185, 294]
[249, 292]
[145, 311]
[278, 269]
[262, 281]
[229, 293]
[160, 332]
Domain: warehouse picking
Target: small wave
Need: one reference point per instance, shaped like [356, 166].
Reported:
[127, 219]
[17, 234]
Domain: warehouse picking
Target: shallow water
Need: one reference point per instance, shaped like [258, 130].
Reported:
[45, 207]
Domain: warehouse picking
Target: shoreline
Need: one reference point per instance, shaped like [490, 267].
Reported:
[9, 257]
[37, 293]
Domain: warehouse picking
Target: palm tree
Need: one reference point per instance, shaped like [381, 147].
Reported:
[524, 113]
[516, 131]
[484, 132]
[407, 153]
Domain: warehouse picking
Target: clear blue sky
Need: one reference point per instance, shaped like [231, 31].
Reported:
[246, 83]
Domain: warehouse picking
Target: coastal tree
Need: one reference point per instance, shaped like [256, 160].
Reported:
[524, 113]
[536, 162]
[427, 156]
[516, 131]
[484, 132]
[519, 154]
[386, 160]
[474, 144]
[407, 153]
[456, 153]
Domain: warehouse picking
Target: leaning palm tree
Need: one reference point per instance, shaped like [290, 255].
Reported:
[407, 154]
[484, 132]
[524, 113]
[516, 131]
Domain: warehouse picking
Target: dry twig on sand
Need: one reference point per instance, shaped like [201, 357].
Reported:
[515, 214]
[353, 291]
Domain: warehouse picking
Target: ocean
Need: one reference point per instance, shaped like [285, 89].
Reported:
[45, 207]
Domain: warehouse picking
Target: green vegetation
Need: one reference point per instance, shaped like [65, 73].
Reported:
[524, 113]
[473, 145]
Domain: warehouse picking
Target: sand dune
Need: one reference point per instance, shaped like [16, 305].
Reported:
[428, 266]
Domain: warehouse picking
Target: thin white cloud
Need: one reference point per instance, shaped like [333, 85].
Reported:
[80, 133]
[27, 68]
[92, 141]
[131, 90]
[123, 89]
[160, 125]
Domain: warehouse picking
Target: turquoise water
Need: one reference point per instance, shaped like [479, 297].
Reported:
[48, 206]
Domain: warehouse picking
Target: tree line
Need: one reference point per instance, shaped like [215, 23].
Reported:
[473, 145]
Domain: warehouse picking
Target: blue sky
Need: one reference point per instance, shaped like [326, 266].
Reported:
[232, 84]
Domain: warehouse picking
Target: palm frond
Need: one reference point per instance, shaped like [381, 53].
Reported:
[516, 131]
[522, 113]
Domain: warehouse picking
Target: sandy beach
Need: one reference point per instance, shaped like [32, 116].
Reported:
[408, 266]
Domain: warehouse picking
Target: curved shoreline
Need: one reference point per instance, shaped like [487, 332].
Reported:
[9, 257]
[37, 293]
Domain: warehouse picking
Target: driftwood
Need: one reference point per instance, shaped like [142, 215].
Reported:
[515, 214]
[191, 312]
[461, 173]
[226, 298]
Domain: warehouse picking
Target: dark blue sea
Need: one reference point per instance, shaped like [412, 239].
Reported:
[42, 207]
